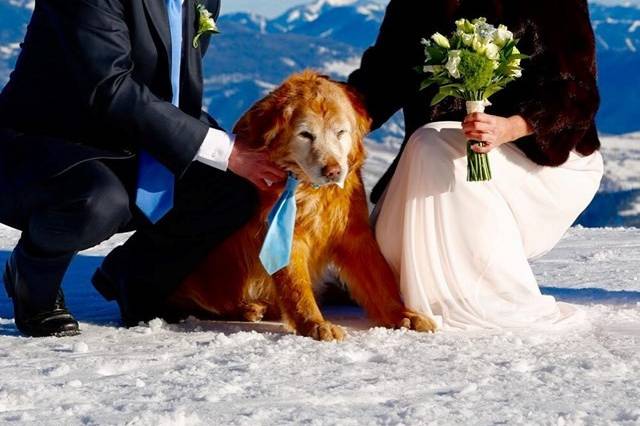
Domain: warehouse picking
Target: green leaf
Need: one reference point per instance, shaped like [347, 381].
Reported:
[458, 86]
[437, 54]
[518, 56]
[443, 93]
[426, 84]
[492, 90]
[439, 97]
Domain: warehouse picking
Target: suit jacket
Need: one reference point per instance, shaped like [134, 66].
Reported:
[93, 81]
[557, 94]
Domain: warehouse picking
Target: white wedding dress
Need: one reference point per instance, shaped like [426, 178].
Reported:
[460, 249]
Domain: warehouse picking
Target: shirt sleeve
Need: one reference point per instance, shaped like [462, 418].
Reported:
[216, 149]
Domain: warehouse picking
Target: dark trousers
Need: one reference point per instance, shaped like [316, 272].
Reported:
[92, 201]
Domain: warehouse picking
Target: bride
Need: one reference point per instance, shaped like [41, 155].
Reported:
[460, 249]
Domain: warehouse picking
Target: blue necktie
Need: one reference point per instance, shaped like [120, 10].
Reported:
[156, 183]
[276, 249]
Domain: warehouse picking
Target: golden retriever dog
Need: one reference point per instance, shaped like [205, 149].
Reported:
[313, 128]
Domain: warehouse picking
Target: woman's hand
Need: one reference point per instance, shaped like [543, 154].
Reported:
[494, 130]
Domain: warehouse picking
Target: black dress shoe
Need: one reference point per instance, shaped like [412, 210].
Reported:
[54, 321]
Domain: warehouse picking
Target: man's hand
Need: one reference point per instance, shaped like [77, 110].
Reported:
[255, 166]
[493, 130]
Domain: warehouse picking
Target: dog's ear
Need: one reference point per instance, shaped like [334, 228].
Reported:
[259, 126]
[363, 120]
[362, 126]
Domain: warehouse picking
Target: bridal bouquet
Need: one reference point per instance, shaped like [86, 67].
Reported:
[475, 62]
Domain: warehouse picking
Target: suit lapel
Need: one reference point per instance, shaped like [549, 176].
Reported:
[214, 7]
[191, 72]
[157, 11]
[192, 61]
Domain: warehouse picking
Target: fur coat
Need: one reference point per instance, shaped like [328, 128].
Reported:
[557, 94]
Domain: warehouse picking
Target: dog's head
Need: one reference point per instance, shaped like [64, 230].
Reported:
[312, 126]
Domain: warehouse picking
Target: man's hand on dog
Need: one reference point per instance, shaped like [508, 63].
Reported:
[255, 166]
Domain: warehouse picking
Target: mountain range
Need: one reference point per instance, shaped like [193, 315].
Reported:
[253, 54]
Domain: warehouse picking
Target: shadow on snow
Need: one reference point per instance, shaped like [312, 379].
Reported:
[89, 307]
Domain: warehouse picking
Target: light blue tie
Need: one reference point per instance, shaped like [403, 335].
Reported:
[156, 183]
[276, 249]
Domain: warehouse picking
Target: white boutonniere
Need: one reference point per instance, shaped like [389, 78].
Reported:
[206, 24]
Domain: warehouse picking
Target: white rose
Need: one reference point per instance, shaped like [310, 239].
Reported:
[465, 26]
[492, 51]
[432, 68]
[467, 39]
[502, 36]
[479, 45]
[480, 21]
[441, 40]
[515, 62]
[517, 73]
[453, 63]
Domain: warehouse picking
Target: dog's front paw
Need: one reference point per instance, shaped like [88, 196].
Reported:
[417, 322]
[254, 312]
[325, 331]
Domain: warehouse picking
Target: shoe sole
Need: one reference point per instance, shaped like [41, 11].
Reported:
[30, 333]
[67, 333]
[72, 329]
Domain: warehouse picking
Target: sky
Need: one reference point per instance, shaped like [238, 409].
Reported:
[272, 8]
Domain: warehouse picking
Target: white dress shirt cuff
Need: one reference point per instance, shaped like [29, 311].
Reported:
[216, 149]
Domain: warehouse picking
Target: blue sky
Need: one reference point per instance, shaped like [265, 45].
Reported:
[273, 8]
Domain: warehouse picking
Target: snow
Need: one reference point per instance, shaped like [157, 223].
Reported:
[9, 50]
[342, 69]
[27, 4]
[312, 11]
[232, 373]
[622, 160]
[370, 10]
[289, 62]
[201, 372]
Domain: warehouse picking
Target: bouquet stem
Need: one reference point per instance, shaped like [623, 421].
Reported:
[478, 166]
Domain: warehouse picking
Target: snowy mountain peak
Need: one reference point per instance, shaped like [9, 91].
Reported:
[310, 12]
[334, 3]
[27, 4]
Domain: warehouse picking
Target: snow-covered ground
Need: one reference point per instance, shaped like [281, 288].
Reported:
[216, 373]
[245, 374]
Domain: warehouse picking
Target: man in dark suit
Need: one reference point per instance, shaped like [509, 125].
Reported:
[101, 131]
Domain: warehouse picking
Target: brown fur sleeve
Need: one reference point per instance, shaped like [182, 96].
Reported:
[560, 81]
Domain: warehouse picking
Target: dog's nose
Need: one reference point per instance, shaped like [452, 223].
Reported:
[332, 171]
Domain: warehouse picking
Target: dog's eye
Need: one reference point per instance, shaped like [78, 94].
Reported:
[308, 135]
[341, 133]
